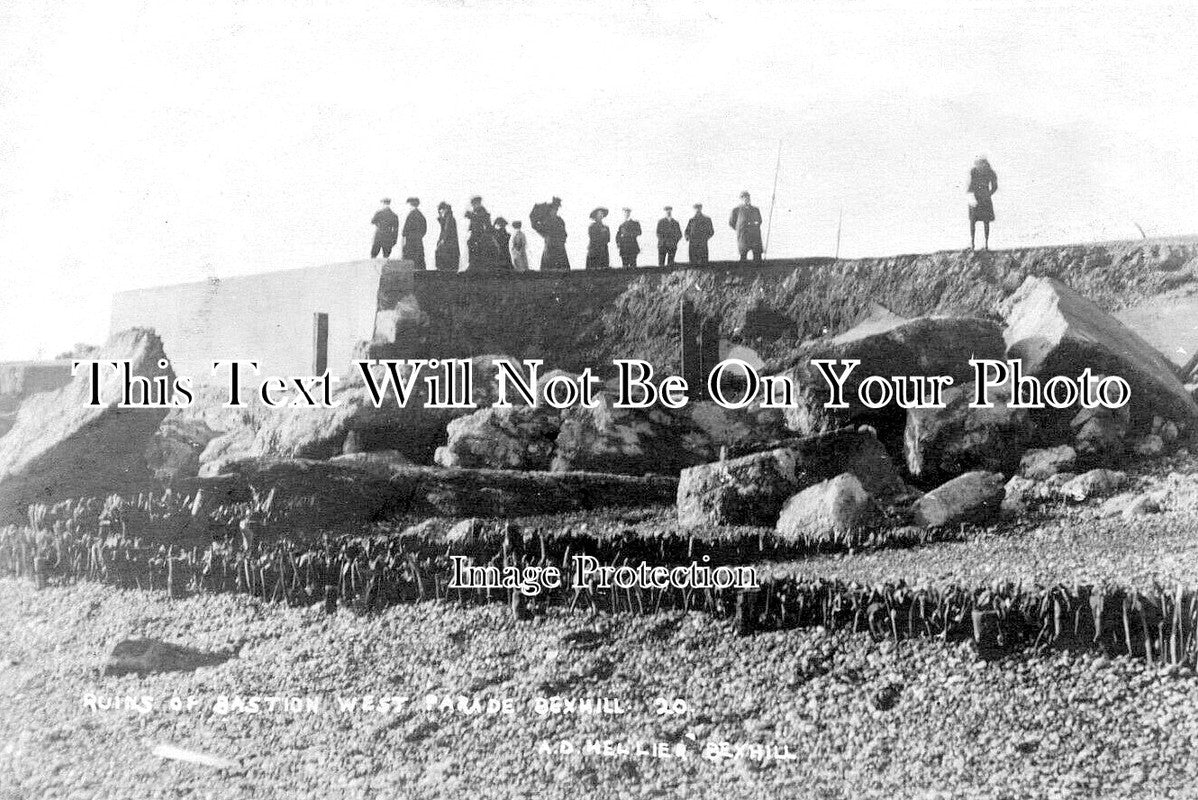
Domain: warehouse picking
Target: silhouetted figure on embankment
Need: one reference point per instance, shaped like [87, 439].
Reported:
[983, 182]
[386, 230]
[449, 253]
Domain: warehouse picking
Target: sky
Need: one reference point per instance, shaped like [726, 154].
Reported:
[144, 144]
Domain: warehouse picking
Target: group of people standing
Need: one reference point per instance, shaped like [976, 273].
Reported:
[490, 246]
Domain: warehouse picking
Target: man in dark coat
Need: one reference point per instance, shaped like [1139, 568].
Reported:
[386, 230]
[698, 230]
[546, 220]
[669, 233]
[503, 260]
[746, 221]
[480, 240]
[626, 239]
[414, 228]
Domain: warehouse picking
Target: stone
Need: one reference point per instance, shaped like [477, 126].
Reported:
[973, 498]
[821, 512]
[889, 346]
[1043, 463]
[149, 656]
[174, 450]
[1099, 434]
[1141, 506]
[60, 447]
[1095, 483]
[1169, 432]
[1150, 446]
[1114, 506]
[502, 438]
[383, 457]
[1019, 494]
[1054, 330]
[751, 489]
[940, 443]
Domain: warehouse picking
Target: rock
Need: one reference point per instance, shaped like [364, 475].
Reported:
[889, 346]
[751, 489]
[475, 532]
[1043, 463]
[941, 443]
[1095, 483]
[1169, 432]
[1019, 494]
[1141, 506]
[1114, 506]
[1056, 331]
[975, 497]
[1099, 433]
[341, 492]
[174, 450]
[502, 438]
[383, 457]
[59, 446]
[148, 656]
[821, 512]
[1150, 446]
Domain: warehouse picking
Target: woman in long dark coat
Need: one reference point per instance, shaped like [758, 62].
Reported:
[449, 253]
[503, 259]
[600, 236]
[480, 241]
[983, 182]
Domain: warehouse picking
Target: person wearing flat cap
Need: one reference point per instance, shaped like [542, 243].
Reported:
[669, 233]
[414, 228]
[503, 258]
[480, 240]
[448, 253]
[746, 221]
[386, 230]
[626, 239]
[698, 231]
[600, 236]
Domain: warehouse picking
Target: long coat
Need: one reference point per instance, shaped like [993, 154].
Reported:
[746, 221]
[519, 249]
[386, 228]
[480, 242]
[983, 182]
[626, 237]
[414, 228]
[554, 257]
[449, 253]
[503, 259]
[698, 230]
[597, 255]
[669, 232]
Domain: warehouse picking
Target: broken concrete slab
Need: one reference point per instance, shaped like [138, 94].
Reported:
[59, 446]
[1054, 330]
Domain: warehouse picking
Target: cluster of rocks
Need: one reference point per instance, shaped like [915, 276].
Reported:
[974, 462]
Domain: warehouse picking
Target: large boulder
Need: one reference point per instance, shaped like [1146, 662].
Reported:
[502, 438]
[1056, 331]
[1042, 463]
[887, 345]
[975, 497]
[751, 489]
[60, 446]
[827, 509]
[941, 443]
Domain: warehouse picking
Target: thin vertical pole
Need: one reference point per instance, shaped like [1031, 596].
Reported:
[320, 343]
[770, 224]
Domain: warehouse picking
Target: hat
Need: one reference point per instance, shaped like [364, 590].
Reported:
[698, 205]
[517, 223]
[386, 201]
[444, 205]
[500, 221]
[476, 199]
[557, 201]
[668, 208]
[599, 212]
[744, 195]
[627, 210]
[414, 201]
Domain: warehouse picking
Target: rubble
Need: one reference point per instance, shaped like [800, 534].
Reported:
[941, 443]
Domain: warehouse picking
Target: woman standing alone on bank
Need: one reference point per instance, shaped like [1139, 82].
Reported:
[600, 235]
[448, 253]
[983, 182]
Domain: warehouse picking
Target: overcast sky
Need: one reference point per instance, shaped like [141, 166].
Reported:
[152, 143]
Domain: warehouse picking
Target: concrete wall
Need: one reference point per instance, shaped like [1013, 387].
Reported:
[265, 317]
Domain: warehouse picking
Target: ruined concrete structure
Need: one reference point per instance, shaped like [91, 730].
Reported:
[586, 318]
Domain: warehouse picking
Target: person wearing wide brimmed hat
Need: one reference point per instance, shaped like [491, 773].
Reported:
[669, 233]
[746, 221]
[698, 231]
[503, 259]
[600, 236]
[448, 254]
[983, 182]
[626, 239]
[386, 230]
[414, 228]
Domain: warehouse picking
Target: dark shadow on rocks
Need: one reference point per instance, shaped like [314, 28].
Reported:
[148, 656]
